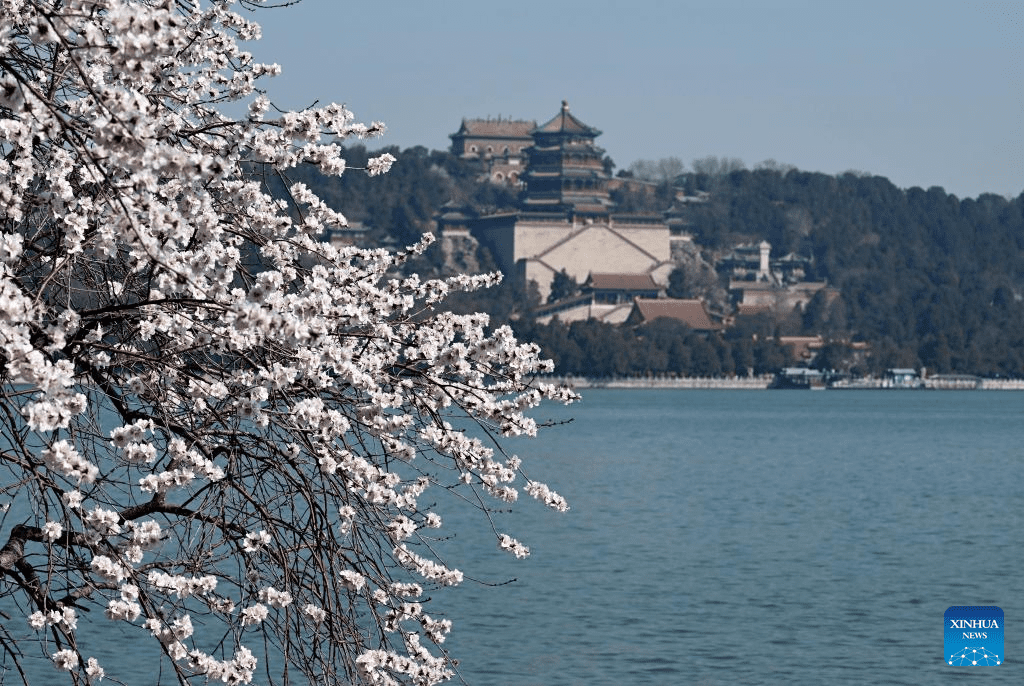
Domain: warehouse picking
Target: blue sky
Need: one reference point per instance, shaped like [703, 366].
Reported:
[925, 93]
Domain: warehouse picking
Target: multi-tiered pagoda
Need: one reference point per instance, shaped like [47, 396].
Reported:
[565, 169]
[566, 219]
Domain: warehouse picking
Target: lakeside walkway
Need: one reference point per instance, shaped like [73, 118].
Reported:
[760, 383]
[734, 382]
[1002, 385]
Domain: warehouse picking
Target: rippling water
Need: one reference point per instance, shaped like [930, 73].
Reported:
[731, 537]
[745, 537]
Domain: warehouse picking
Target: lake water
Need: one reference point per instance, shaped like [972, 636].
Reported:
[744, 537]
[754, 537]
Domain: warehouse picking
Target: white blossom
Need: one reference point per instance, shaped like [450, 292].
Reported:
[506, 542]
[213, 413]
[52, 531]
[62, 457]
[65, 659]
[254, 614]
[146, 534]
[351, 579]
[317, 614]
[107, 568]
[73, 499]
[255, 540]
[94, 670]
[105, 522]
[182, 586]
[275, 598]
[123, 610]
[381, 164]
[547, 496]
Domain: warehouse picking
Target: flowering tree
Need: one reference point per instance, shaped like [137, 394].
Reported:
[217, 430]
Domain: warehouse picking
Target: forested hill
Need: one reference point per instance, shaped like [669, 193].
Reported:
[926, 278]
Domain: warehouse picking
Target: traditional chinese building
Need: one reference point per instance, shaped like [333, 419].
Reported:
[565, 169]
[566, 219]
[689, 312]
[621, 288]
[605, 297]
[753, 262]
[497, 143]
[758, 283]
[481, 138]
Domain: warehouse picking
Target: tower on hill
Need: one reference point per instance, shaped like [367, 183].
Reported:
[565, 169]
[566, 218]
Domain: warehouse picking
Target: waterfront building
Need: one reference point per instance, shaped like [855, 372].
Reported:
[689, 312]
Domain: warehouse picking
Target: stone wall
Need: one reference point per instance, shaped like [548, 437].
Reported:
[544, 249]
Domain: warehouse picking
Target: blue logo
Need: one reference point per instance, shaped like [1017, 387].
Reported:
[973, 636]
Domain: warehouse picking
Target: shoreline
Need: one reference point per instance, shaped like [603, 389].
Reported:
[726, 383]
[756, 383]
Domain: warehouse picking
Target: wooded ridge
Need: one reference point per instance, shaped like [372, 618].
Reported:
[924, 278]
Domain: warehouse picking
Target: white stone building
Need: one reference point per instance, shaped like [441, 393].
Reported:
[566, 218]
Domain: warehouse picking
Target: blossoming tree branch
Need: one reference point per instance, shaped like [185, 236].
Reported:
[220, 433]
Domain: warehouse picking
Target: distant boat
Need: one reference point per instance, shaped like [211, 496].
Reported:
[953, 382]
[849, 383]
[894, 379]
[804, 378]
[799, 378]
[902, 379]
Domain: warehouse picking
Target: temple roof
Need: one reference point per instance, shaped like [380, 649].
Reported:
[621, 282]
[564, 122]
[690, 312]
[495, 128]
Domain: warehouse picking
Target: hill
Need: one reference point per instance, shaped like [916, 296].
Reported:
[924, 278]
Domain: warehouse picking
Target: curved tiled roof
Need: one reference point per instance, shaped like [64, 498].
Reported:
[690, 312]
[622, 282]
[564, 122]
[495, 128]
